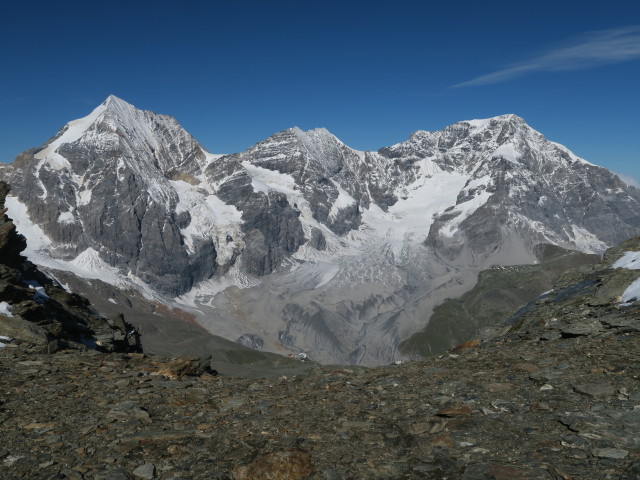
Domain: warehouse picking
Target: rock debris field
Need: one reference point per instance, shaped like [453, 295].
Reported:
[512, 408]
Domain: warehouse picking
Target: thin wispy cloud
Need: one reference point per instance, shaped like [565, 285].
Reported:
[590, 50]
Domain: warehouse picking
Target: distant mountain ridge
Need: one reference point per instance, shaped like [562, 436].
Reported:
[301, 243]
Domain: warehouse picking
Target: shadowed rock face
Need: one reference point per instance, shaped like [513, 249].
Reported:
[380, 237]
[270, 225]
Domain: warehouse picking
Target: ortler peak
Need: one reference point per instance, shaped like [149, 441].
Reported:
[301, 243]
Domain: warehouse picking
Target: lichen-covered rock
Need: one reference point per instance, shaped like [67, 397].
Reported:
[180, 367]
[285, 465]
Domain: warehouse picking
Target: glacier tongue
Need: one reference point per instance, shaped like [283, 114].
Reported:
[408, 221]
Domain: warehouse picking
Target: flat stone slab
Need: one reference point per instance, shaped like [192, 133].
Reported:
[595, 389]
[616, 453]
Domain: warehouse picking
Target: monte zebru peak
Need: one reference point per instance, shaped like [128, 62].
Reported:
[301, 243]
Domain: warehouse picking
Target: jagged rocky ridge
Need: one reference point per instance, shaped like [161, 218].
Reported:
[36, 311]
[301, 243]
[551, 394]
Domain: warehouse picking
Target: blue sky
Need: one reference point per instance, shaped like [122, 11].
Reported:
[234, 72]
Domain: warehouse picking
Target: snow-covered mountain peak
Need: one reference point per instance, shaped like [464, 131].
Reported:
[485, 122]
[294, 149]
[117, 102]
[130, 116]
[70, 133]
[320, 131]
[382, 235]
[321, 145]
[109, 123]
[124, 113]
[420, 134]
[316, 137]
[479, 124]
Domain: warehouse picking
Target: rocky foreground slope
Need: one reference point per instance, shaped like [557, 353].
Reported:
[553, 393]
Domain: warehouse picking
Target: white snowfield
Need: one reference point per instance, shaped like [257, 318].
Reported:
[630, 260]
[408, 221]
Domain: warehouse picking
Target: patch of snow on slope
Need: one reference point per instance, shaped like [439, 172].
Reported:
[210, 218]
[428, 167]
[204, 292]
[311, 275]
[521, 221]
[326, 272]
[632, 293]
[479, 123]
[66, 217]
[410, 218]
[39, 295]
[84, 197]
[89, 265]
[344, 200]
[631, 261]
[263, 180]
[467, 208]
[587, 241]
[37, 239]
[507, 151]
[5, 309]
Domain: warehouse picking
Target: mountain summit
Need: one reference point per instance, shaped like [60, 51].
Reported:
[301, 243]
